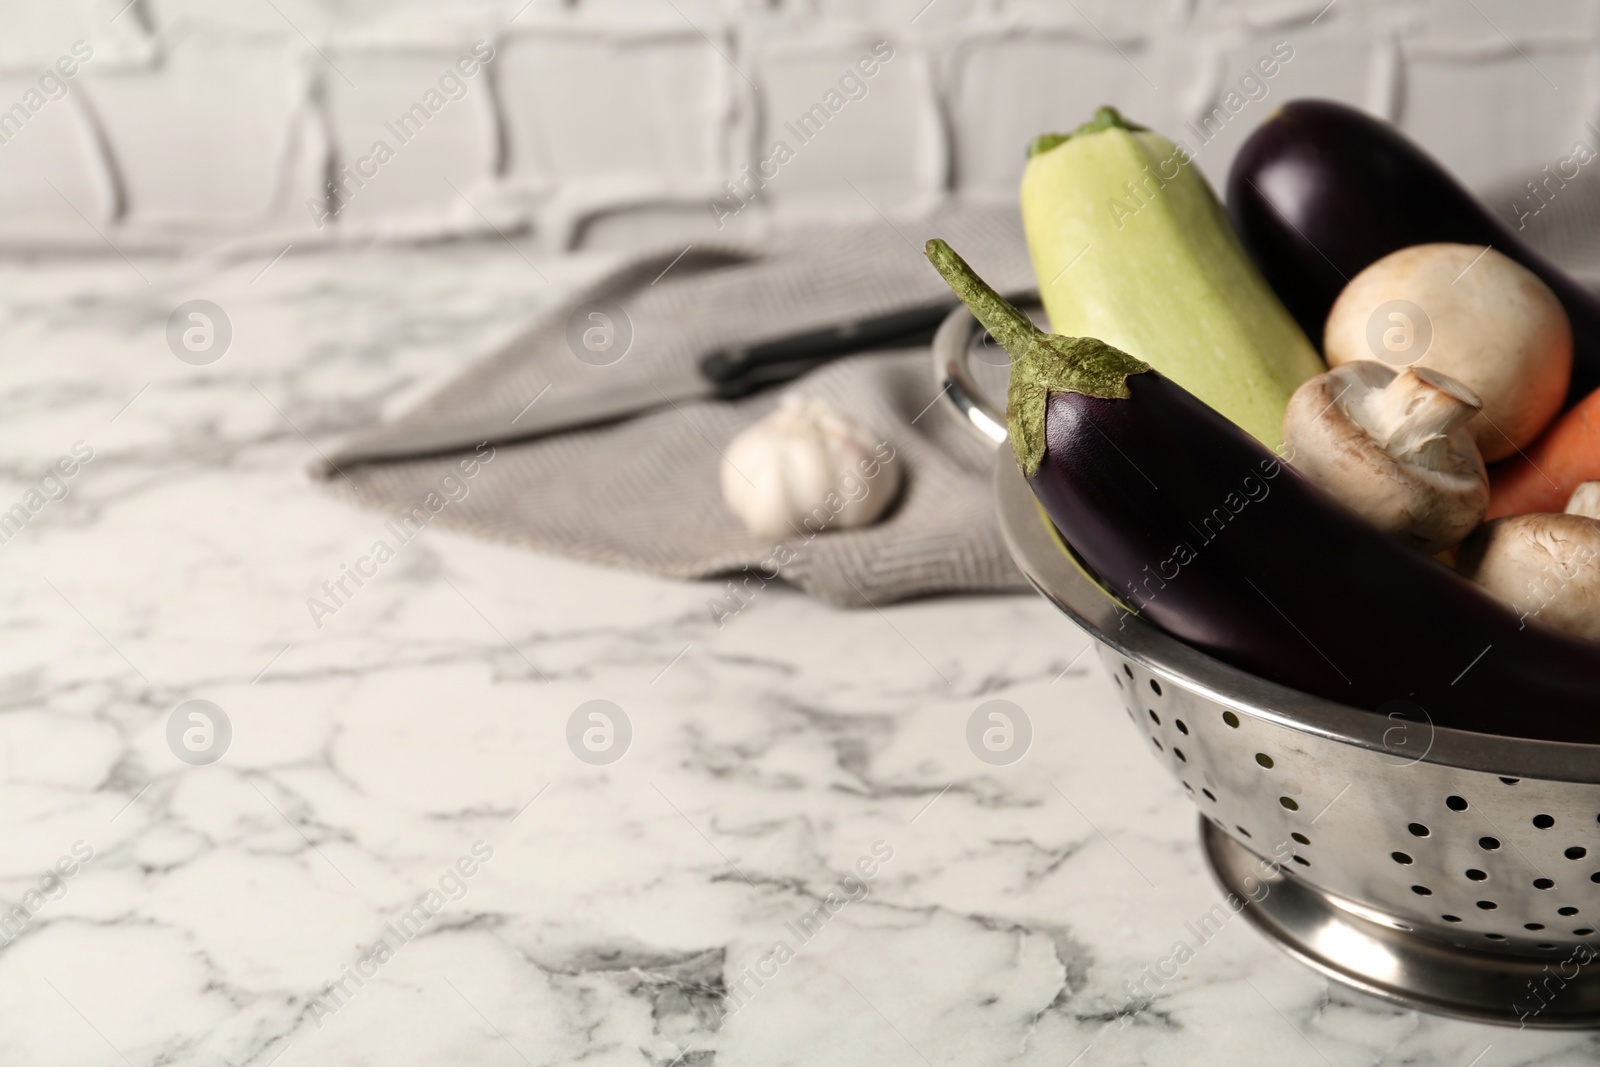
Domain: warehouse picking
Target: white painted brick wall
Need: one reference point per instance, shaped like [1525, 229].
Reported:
[604, 123]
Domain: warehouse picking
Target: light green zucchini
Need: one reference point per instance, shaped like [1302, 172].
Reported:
[1131, 246]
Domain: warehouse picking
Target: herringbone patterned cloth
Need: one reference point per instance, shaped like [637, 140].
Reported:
[645, 493]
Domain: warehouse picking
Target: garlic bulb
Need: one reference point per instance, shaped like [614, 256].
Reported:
[804, 469]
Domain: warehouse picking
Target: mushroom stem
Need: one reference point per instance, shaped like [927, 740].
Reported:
[1417, 412]
[1585, 501]
[1393, 447]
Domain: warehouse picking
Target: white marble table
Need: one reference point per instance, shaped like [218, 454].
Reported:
[231, 912]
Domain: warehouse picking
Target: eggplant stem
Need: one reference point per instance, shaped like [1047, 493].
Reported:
[1007, 324]
[1042, 364]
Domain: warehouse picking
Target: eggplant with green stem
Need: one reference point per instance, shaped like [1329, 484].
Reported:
[1197, 527]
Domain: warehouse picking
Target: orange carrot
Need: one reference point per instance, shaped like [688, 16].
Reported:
[1544, 477]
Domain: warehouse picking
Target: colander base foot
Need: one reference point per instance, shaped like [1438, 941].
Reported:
[1400, 967]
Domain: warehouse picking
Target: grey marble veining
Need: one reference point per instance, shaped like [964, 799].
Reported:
[399, 859]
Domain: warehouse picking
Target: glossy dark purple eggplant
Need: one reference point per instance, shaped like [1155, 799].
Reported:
[1207, 534]
[1320, 191]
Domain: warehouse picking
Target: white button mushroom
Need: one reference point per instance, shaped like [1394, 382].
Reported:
[1393, 447]
[804, 469]
[1585, 500]
[1547, 567]
[1474, 314]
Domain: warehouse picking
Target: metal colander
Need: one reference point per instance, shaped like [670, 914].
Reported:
[1451, 871]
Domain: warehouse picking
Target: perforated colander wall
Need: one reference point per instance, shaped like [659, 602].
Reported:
[1473, 859]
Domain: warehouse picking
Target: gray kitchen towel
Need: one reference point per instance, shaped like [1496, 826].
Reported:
[645, 493]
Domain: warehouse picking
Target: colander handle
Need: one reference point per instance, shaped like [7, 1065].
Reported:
[952, 371]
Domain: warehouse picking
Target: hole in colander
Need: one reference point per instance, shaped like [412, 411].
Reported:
[1476, 875]
[1300, 837]
[1487, 905]
[1131, 717]
[1182, 729]
[1595, 877]
[1533, 926]
[1543, 822]
[1510, 781]
[1400, 857]
[1301, 860]
[1242, 830]
[1157, 744]
[1231, 719]
[1583, 931]
[1451, 918]
[1495, 937]
[1176, 751]
[1418, 830]
[1264, 759]
[1456, 803]
[1129, 672]
[1568, 910]
[1210, 795]
[1156, 686]
[1154, 717]
[1576, 852]
[1489, 844]
[1547, 946]
[1118, 680]
[1290, 803]
[1422, 891]
[1543, 883]
[1189, 787]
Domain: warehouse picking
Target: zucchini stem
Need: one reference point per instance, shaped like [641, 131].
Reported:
[1105, 118]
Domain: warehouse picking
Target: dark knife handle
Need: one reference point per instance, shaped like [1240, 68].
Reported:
[736, 372]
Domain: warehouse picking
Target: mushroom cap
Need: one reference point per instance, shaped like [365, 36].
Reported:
[1429, 508]
[1547, 567]
[1585, 500]
[1478, 316]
